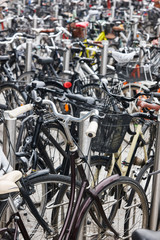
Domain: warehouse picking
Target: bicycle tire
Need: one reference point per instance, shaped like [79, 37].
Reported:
[97, 162]
[11, 96]
[51, 144]
[25, 78]
[130, 90]
[142, 148]
[146, 180]
[94, 90]
[100, 167]
[50, 184]
[113, 191]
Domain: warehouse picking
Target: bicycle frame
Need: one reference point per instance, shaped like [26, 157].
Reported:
[76, 212]
[17, 220]
[100, 38]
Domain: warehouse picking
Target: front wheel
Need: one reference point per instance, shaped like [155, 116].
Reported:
[43, 191]
[126, 207]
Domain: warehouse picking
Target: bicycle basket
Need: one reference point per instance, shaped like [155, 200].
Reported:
[77, 32]
[133, 72]
[111, 131]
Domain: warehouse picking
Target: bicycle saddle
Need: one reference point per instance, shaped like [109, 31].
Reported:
[43, 60]
[7, 182]
[123, 57]
[82, 24]
[110, 36]
[119, 28]
[145, 234]
[4, 58]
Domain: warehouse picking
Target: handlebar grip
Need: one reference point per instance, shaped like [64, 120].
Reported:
[19, 110]
[29, 36]
[156, 94]
[144, 104]
[92, 128]
[81, 98]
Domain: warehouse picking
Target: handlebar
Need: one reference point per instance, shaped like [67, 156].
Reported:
[91, 131]
[8, 40]
[122, 98]
[60, 31]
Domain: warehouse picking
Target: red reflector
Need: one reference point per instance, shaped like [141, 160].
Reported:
[67, 84]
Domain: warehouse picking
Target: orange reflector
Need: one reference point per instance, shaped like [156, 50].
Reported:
[67, 84]
[125, 83]
[66, 107]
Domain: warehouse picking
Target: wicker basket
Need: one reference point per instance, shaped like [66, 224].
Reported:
[77, 32]
[111, 131]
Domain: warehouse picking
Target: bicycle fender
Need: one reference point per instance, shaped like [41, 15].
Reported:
[37, 174]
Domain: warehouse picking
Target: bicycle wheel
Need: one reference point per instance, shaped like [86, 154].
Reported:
[43, 192]
[146, 180]
[101, 168]
[25, 78]
[51, 144]
[125, 205]
[142, 148]
[11, 96]
[94, 90]
[130, 90]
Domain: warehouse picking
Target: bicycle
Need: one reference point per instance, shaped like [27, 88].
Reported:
[147, 176]
[70, 229]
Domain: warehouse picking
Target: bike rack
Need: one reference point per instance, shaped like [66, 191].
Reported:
[56, 10]
[104, 58]
[155, 202]
[28, 57]
[34, 20]
[18, 9]
[135, 28]
[158, 28]
[66, 55]
[9, 138]
[84, 140]
[131, 11]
